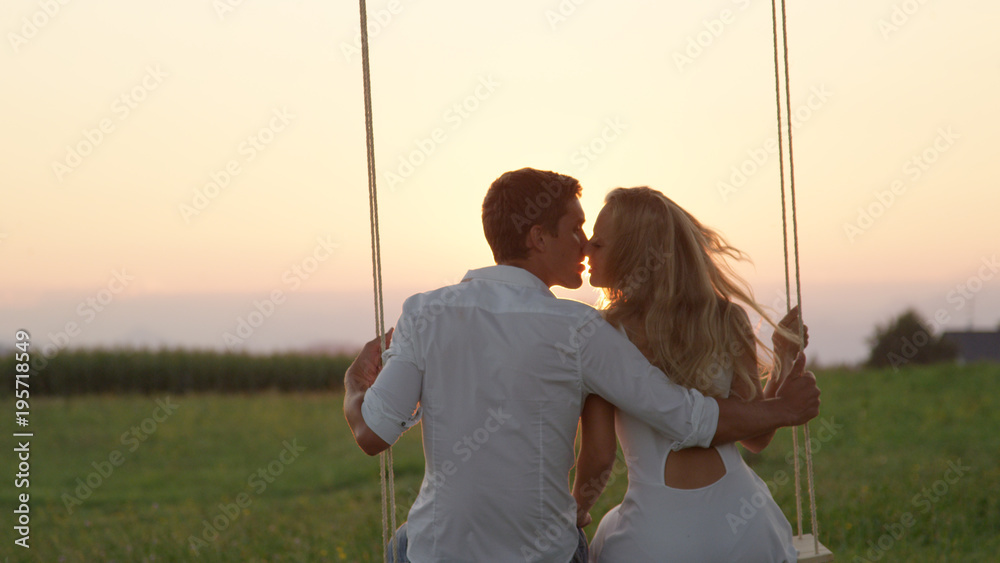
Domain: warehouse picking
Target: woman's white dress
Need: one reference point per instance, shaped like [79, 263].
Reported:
[733, 519]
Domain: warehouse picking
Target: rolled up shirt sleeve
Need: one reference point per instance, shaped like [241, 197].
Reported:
[390, 406]
[613, 368]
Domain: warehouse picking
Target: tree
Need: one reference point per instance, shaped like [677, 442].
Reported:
[906, 339]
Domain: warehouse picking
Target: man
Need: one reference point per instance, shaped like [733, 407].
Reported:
[500, 369]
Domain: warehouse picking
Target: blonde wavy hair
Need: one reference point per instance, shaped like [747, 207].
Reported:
[673, 273]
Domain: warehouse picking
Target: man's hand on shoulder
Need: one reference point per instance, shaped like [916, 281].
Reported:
[798, 394]
[795, 402]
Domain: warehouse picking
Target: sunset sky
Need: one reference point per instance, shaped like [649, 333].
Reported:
[170, 169]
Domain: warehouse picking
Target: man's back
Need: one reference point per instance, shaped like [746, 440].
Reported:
[500, 404]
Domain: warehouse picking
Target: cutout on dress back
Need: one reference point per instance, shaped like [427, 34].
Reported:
[693, 468]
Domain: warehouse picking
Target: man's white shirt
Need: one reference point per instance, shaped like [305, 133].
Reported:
[497, 369]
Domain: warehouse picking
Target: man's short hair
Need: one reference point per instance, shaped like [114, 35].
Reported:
[519, 200]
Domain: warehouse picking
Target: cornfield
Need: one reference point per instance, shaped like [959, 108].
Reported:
[75, 372]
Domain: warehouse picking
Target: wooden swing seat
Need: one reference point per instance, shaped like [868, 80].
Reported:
[806, 546]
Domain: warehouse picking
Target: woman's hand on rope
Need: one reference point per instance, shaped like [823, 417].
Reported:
[786, 346]
[362, 373]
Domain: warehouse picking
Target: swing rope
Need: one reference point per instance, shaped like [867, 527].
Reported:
[386, 474]
[795, 238]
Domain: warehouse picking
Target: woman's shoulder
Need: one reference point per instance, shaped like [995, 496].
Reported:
[728, 307]
[735, 315]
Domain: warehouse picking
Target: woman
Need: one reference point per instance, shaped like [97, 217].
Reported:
[668, 286]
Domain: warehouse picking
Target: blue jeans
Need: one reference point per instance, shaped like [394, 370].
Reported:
[579, 557]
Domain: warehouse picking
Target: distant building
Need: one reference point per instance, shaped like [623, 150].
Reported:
[975, 346]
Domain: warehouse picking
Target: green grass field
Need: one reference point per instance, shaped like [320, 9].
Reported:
[277, 477]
